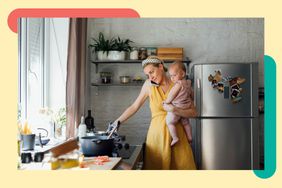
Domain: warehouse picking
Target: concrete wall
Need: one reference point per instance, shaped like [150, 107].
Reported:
[109, 102]
[203, 40]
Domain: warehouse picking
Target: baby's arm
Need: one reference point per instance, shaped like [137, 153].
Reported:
[173, 93]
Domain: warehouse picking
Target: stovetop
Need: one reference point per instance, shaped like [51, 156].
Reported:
[124, 153]
[122, 148]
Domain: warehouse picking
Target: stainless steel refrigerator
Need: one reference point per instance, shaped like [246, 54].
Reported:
[225, 134]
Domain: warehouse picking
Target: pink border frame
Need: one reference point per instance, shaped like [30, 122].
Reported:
[66, 12]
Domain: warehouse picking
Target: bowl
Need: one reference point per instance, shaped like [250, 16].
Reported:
[124, 79]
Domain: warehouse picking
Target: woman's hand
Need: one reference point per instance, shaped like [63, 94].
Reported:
[115, 125]
[168, 107]
[188, 113]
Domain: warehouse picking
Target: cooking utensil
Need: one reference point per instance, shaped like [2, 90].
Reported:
[42, 140]
[97, 145]
[64, 148]
[113, 130]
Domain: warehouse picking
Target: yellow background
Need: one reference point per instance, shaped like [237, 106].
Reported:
[11, 177]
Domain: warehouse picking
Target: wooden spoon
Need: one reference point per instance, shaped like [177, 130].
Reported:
[113, 130]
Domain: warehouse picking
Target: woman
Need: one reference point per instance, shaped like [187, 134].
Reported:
[158, 152]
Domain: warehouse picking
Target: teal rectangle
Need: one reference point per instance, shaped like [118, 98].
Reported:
[269, 119]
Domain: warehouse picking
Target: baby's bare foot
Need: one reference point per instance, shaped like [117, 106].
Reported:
[190, 138]
[174, 141]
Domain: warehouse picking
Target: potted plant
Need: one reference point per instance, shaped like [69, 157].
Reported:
[102, 46]
[56, 120]
[61, 120]
[119, 48]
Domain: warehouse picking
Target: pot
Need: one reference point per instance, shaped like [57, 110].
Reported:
[97, 145]
[100, 133]
[102, 56]
[124, 79]
[116, 55]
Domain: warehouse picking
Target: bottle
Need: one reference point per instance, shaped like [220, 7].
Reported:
[89, 121]
[19, 138]
[82, 128]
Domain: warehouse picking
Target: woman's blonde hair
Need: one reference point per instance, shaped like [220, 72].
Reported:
[153, 60]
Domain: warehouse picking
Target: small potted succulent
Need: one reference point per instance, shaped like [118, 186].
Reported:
[119, 48]
[102, 46]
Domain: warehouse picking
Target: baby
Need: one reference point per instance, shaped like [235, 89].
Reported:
[181, 95]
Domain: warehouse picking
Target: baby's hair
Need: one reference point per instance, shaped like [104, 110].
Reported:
[180, 65]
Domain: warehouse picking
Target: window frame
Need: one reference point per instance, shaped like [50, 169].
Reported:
[23, 51]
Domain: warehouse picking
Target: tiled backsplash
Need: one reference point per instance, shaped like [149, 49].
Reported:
[109, 102]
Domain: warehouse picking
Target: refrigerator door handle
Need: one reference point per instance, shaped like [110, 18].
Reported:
[197, 95]
[198, 83]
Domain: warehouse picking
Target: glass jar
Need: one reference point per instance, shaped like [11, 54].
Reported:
[106, 77]
[133, 54]
[142, 53]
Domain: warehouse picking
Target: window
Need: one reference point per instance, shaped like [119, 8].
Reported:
[42, 71]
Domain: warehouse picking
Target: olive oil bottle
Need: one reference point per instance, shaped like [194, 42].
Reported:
[89, 121]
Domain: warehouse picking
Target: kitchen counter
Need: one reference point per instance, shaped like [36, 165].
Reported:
[135, 162]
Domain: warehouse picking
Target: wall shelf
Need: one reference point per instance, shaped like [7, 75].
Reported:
[131, 84]
[96, 63]
[117, 84]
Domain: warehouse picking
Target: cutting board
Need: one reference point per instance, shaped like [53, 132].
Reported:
[114, 161]
[64, 147]
[161, 51]
[170, 53]
[171, 57]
